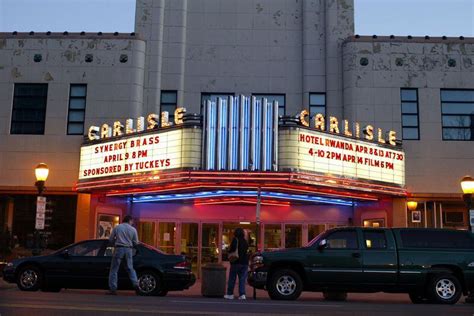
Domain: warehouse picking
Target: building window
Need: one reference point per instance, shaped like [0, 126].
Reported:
[29, 108]
[457, 108]
[317, 104]
[169, 102]
[280, 98]
[410, 119]
[77, 109]
[213, 97]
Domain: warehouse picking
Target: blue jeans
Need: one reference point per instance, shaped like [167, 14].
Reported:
[119, 254]
[241, 270]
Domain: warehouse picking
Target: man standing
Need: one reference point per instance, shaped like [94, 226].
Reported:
[124, 237]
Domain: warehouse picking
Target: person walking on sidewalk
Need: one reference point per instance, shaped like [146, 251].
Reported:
[124, 237]
[239, 264]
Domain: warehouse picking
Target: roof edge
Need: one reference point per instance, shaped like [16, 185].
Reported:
[70, 35]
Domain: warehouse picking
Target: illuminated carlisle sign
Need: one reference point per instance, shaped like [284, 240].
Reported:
[152, 151]
[243, 134]
[323, 150]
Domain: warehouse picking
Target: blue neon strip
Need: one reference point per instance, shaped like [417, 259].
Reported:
[225, 132]
[235, 135]
[246, 134]
[269, 136]
[211, 150]
[258, 135]
[236, 193]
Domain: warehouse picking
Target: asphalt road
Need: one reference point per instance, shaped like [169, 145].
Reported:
[71, 303]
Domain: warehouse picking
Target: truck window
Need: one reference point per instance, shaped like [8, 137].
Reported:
[436, 239]
[375, 239]
[343, 239]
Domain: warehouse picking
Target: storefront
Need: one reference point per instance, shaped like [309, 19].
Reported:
[190, 183]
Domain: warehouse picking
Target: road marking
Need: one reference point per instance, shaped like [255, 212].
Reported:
[120, 310]
[248, 302]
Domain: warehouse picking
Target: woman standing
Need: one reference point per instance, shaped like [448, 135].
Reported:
[239, 264]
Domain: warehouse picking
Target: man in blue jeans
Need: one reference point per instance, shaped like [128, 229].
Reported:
[124, 237]
[238, 267]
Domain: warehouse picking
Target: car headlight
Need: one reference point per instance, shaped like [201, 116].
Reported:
[257, 259]
[10, 264]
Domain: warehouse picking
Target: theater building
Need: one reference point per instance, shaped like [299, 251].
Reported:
[192, 183]
[78, 101]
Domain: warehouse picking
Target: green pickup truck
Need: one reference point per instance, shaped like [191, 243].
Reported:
[431, 265]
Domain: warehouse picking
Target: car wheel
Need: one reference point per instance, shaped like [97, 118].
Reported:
[29, 278]
[285, 284]
[149, 283]
[445, 288]
[335, 296]
[417, 298]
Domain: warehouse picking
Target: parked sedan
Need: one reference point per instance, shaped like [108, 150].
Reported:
[86, 264]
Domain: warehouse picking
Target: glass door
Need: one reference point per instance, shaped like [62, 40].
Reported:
[190, 243]
[210, 244]
[272, 237]
[228, 234]
[293, 235]
[166, 237]
[146, 233]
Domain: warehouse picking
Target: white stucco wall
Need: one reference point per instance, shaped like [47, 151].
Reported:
[372, 96]
[114, 90]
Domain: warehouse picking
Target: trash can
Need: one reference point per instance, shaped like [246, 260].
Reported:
[213, 280]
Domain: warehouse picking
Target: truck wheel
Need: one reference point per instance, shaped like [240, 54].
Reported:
[285, 284]
[29, 278]
[417, 298]
[445, 288]
[335, 296]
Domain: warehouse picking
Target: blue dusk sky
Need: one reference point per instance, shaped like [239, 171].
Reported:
[381, 17]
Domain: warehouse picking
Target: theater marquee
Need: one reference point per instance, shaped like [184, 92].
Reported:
[150, 152]
[304, 149]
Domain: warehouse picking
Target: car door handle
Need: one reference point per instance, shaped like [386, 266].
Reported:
[356, 255]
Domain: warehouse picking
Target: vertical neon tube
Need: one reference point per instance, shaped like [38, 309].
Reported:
[211, 135]
[264, 135]
[246, 146]
[275, 135]
[235, 134]
[269, 137]
[241, 132]
[253, 134]
[258, 135]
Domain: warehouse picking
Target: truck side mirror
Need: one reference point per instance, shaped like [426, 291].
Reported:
[323, 244]
[65, 254]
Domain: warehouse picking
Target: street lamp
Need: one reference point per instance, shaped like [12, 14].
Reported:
[467, 185]
[41, 173]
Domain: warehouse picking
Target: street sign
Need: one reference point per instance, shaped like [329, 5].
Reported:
[40, 211]
[40, 204]
[39, 224]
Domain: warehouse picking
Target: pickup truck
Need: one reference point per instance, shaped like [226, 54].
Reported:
[431, 265]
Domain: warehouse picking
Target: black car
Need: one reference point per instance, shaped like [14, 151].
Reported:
[86, 265]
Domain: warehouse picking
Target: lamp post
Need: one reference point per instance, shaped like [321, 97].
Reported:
[467, 186]
[41, 173]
